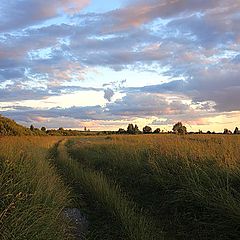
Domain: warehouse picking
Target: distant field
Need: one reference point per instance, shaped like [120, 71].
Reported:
[128, 187]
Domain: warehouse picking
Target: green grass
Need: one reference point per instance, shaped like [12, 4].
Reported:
[132, 222]
[32, 195]
[189, 185]
[129, 187]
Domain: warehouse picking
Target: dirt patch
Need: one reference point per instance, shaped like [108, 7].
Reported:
[80, 223]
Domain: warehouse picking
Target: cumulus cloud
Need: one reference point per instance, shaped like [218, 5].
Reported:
[139, 12]
[163, 108]
[18, 92]
[20, 14]
[218, 85]
[130, 106]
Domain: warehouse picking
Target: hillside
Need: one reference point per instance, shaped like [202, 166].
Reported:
[9, 127]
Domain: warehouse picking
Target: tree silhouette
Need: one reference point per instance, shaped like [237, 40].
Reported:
[227, 131]
[147, 129]
[130, 129]
[236, 131]
[179, 128]
[157, 130]
[136, 129]
[43, 129]
[121, 131]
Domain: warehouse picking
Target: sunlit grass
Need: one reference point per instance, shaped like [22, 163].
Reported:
[135, 225]
[150, 186]
[32, 196]
[189, 184]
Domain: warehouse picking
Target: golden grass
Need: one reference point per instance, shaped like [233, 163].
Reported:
[31, 193]
[189, 183]
[136, 226]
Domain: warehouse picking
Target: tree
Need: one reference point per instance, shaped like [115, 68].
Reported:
[43, 129]
[179, 128]
[130, 129]
[227, 131]
[157, 130]
[136, 129]
[32, 128]
[236, 131]
[60, 129]
[121, 131]
[147, 129]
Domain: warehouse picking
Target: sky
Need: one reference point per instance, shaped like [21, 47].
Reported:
[105, 64]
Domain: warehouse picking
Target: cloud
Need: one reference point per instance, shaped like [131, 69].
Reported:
[20, 14]
[194, 44]
[218, 85]
[140, 12]
[18, 92]
[146, 105]
[108, 94]
[130, 106]
[209, 29]
[236, 59]
[159, 109]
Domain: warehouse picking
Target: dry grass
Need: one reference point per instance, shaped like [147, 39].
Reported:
[187, 186]
[190, 184]
[31, 194]
[132, 222]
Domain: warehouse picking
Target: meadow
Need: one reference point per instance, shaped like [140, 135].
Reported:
[32, 195]
[152, 186]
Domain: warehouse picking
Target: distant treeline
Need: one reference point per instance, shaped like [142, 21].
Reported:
[133, 129]
[178, 128]
[9, 127]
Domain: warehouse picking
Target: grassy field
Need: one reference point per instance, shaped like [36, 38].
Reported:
[128, 187]
[32, 195]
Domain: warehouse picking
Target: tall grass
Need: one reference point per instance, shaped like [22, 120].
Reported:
[132, 221]
[187, 187]
[189, 184]
[32, 195]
